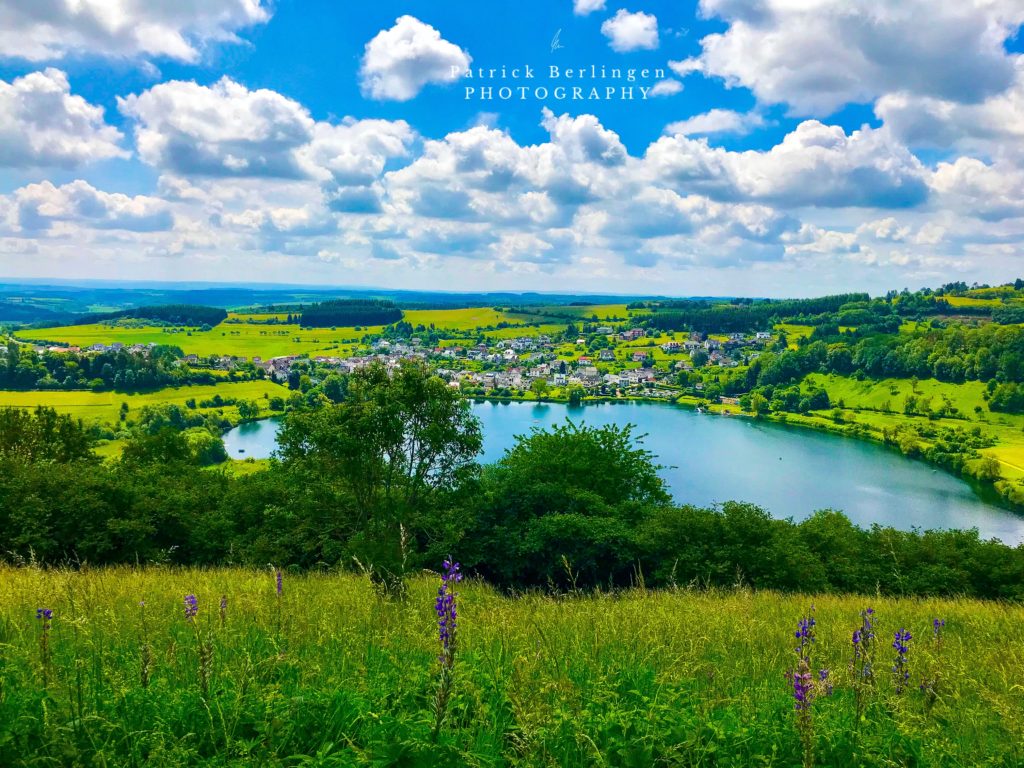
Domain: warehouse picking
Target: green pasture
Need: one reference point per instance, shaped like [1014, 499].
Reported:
[104, 407]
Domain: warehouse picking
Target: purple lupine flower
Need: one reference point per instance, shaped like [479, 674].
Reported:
[900, 668]
[44, 615]
[191, 607]
[280, 581]
[223, 609]
[446, 610]
[863, 640]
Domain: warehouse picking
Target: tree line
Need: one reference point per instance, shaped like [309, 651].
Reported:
[350, 312]
[21, 367]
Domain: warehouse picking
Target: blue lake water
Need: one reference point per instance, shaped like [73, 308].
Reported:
[789, 471]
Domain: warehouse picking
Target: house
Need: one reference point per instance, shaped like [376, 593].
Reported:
[584, 360]
[606, 354]
[763, 336]
[639, 357]
[671, 346]
[632, 334]
[604, 330]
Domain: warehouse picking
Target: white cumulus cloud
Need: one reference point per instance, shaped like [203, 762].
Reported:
[48, 30]
[817, 56]
[584, 7]
[399, 62]
[631, 31]
[43, 124]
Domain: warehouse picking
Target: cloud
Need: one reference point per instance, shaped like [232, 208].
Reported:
[38, 206]
[49, 30]
[717, 121]
[818, 56]
[584, 7]
[667, 87]
[221, 130]
[814, 165]
[631, 31]
[990, 192]
[994, 126]
[43, 124]
[399, 62]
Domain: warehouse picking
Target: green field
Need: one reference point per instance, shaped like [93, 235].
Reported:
[332, 675]
[104, 407]
[867, 401]
[241, 339]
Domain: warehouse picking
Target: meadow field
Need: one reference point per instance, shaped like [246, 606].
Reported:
[327, 673]
[104, 407]
[866, 402]
[238, 339]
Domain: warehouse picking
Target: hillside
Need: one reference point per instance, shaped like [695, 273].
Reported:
[329, 674]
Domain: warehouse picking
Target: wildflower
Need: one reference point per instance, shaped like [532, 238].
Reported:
[44, 616]
[862, 666]
[900, 668]
[447, 616]
[223, 609]
[930, 684]
[280, 582]
[805, 688]
[446, 611]
[191, 607]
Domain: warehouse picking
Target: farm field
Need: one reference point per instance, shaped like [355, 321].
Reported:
[241, 339]
[255, 339]
[331, 675]
[104, 407]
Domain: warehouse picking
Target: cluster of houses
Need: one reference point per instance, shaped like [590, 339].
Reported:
[518, 363]
[514, 364]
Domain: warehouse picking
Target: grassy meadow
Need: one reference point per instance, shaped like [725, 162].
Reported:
[104, 407]
[867, 402]
[332, 675]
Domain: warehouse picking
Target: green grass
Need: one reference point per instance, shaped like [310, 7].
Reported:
[104, 407]
[334, 676]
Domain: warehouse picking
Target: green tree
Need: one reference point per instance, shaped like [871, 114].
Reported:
[396, 445]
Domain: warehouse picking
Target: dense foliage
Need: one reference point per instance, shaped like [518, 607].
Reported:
[387, 478]
[21, 367]
[350, 312]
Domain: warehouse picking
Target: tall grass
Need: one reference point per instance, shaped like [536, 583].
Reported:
[346, 678]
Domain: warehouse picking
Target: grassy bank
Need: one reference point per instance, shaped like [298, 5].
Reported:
[329, 674]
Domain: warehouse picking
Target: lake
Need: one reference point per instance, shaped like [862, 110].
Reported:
[789, 471]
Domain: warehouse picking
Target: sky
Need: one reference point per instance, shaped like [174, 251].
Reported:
[712, 147]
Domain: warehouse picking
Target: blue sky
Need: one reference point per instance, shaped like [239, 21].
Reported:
[794, 148]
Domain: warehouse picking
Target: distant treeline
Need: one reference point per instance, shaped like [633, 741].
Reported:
[176, 314]
[742, 317]
[349, 312]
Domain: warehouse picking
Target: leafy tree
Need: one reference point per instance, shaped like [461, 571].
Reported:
[397, 444]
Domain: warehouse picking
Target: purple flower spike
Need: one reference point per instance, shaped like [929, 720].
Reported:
[191, 607]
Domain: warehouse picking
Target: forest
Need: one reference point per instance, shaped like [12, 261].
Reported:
[350, 312]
